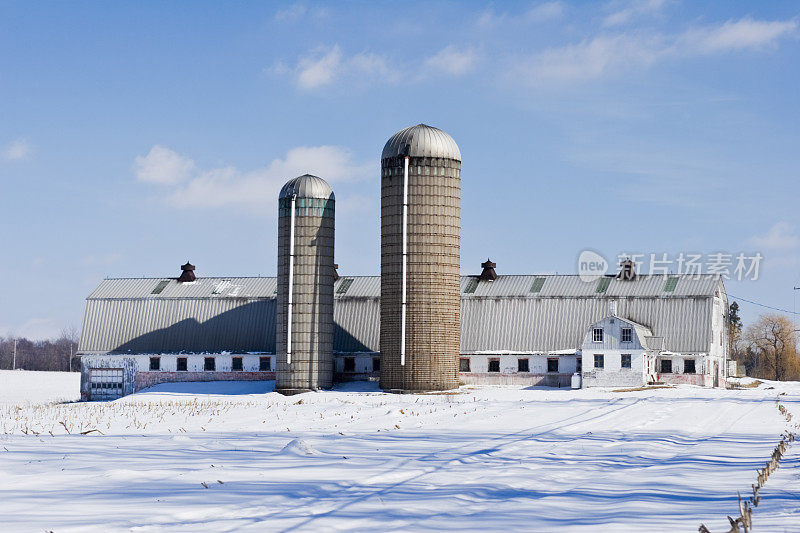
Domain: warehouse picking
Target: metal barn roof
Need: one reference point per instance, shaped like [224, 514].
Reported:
[159, 315]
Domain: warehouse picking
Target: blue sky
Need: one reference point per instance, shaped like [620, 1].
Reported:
[135, 136]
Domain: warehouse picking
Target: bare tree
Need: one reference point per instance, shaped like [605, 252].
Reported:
[772, 341]
[51, 354]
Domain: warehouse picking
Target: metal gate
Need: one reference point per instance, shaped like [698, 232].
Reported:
[105, 383]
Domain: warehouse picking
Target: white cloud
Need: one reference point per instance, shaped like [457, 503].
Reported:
[257, 190]
[540, 12]
[489, 19]
[18, 149]
[162, 165]
[450, 60]
[320, 68]
[736, 35]
[781, 235]
[292, 12]
[633, 10]
[587, 60]
[545, 11]
[323, 66]
[610, 53]
[298, 11]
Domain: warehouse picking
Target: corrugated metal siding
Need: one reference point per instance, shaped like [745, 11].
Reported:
[361, 287]
[174, 325]
[357, 325]
[202, 288]
[526, 324]
[568, 286]
[121, 315]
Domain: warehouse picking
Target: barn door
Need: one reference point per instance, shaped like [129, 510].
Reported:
[105, 384]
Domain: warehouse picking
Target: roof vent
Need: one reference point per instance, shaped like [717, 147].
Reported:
[488, 273]
[336, 272]
[627, 270]
[188, 273]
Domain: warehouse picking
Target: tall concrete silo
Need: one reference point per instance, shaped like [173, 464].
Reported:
[420, 260]
[304, 338]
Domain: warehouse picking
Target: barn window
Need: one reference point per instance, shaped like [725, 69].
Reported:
[523, 365]
[376, 364]
[210, 364]
[537, 284]
[688, 366]
[626, 360]
[627, 335]
[670, 284]
[602, 285]
[494, 365]
[552, 364]
[463, 364]
[578, 364]
[155, 363]
[597, 335]
[666, 366]
[472, 284]
[598, 360]
[349, 364]
[181, 364]
[344, 285]
[236, 364]
[264, 364]
[159, 288]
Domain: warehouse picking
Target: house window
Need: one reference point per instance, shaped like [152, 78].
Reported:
[666, 366]
[688, 366]
[597, 335]
[236, 364]
[376, 364]
[598, 361]
[552, 364]
[155, 363]
[626, 360]
[523, 365]
[494, 365]
[181, 364]
[463, 364]
[578, 364]
[627, 335]
[264, 364]
[210, 364]
[349, 364]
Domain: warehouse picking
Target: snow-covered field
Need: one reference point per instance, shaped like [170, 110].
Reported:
[19, 387]
[237, 457]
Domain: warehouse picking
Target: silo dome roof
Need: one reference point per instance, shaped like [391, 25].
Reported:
[422, 141]
[307, 186]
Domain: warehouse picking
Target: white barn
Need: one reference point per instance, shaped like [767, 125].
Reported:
[517, 330]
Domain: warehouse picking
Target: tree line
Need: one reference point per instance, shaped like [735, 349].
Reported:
[50, 354]
[767, 348]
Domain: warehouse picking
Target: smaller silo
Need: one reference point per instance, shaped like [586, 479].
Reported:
[304, 333]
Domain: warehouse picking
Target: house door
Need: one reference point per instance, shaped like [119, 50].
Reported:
[716, 374]
[105, 383]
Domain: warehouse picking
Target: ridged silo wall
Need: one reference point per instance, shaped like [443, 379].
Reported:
[312, 314]
[434, 252]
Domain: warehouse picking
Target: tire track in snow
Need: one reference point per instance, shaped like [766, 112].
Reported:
[511, 438]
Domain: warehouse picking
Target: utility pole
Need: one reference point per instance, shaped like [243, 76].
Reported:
[14, 364]
[70, 357]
